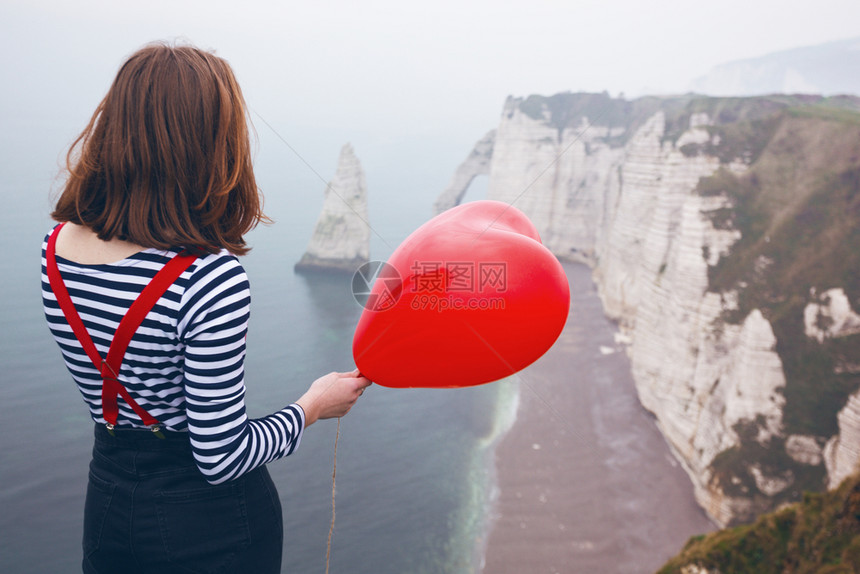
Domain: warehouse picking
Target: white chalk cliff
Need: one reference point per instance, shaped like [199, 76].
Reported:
[827, 316]
[626, 203]
[830, 315]
[341, 238]
[842, 452]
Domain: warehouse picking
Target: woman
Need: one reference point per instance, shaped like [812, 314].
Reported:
[145, 296]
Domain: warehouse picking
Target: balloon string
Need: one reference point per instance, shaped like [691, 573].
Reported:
[333, 475]
[327, 184]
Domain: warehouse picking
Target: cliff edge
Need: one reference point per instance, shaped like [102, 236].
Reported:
[819, 535]
[724, 237]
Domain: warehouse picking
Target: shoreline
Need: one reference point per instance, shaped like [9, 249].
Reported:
[506, 410]
[582, 480]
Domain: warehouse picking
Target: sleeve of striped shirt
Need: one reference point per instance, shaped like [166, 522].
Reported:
[226, 444]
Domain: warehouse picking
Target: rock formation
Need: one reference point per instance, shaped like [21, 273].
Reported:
[478, 163]
[659, 197]
[842, 452]
[341, 239]
[830, 316]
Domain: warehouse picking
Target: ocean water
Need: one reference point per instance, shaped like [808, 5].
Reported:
[415, 468]
[411, 464]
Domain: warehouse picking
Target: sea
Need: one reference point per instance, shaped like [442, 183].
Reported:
[415, 476]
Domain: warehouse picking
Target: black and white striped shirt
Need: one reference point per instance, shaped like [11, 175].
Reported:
[185, 364]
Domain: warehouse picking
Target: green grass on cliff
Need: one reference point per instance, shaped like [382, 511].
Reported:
[743, 125]
[797, 207]
[798, 210]
[566, 111]
[819, 535]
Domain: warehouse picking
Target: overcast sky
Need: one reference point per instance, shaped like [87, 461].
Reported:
[411, 85]
[420, 66]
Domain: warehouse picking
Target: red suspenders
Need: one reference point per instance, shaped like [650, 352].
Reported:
[109, 367]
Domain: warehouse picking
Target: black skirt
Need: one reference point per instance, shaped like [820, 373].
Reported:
[149, 510]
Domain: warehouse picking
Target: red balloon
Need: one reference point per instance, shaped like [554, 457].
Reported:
[472, 296]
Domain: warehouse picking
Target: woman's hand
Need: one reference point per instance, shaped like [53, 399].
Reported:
[332, 395]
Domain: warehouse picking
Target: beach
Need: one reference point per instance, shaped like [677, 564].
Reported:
[585, 481]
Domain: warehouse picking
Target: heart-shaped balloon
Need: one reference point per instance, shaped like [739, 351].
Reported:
[471, 296]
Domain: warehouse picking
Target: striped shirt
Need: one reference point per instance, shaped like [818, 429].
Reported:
[184, 365]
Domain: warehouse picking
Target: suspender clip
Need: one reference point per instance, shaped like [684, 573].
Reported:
[110, 428]
[156, 430]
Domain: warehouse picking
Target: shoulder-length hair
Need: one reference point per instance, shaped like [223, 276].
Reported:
[165, 160]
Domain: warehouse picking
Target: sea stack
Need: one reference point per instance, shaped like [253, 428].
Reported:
[341, 239]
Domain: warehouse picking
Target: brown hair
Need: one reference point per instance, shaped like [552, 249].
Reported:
[165, 160]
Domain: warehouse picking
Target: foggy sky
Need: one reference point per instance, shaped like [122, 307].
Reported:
[398, 65]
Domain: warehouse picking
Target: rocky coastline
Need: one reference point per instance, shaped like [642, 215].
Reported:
[658, 196]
